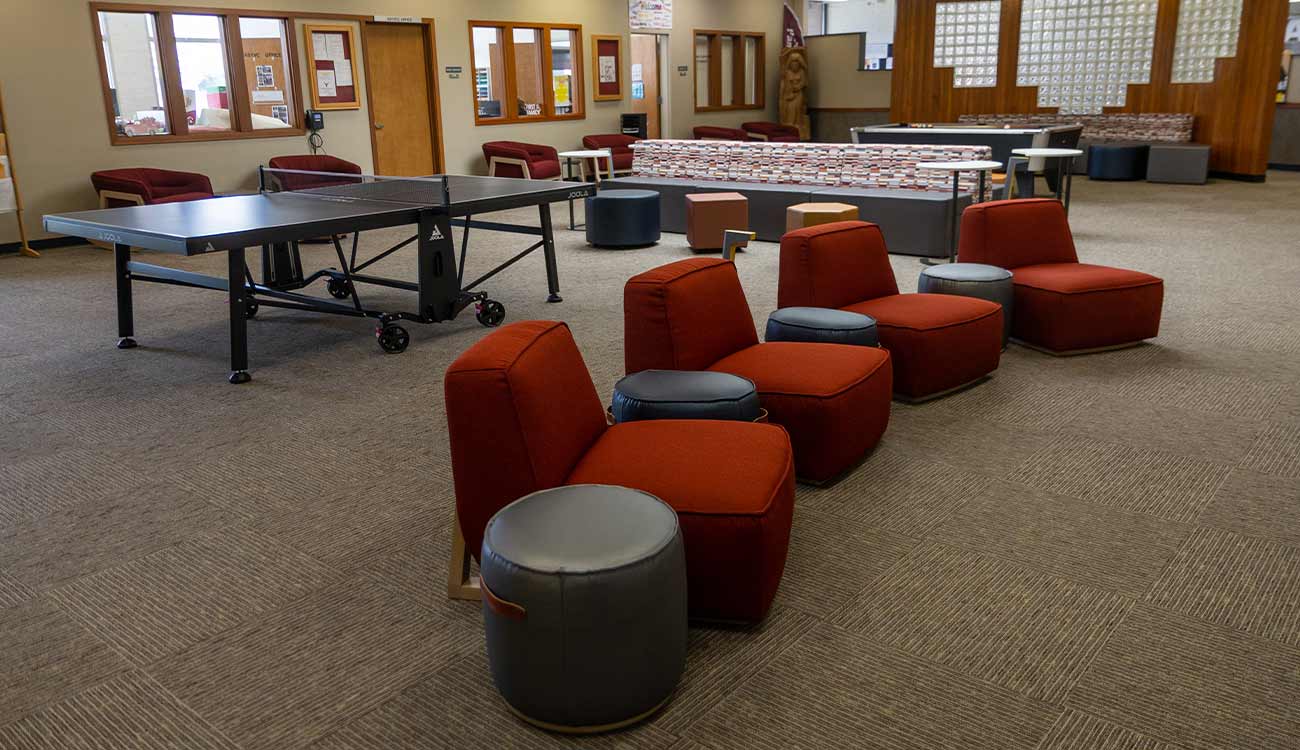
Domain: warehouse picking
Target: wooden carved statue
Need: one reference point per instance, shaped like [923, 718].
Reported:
[794, 82]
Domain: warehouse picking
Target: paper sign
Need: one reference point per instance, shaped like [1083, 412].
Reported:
[334, 47]
[265, 76]
[638, 89]
[319, 46]
[397, 19]
[7, 200]
[636, 72]
[266, 97]
[325, 84]
[608, 69]
[343, 73]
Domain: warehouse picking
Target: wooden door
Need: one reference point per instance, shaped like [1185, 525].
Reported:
[645, 53]
[402, 94]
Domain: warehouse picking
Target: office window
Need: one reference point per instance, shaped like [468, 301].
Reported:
[526, 72]
[728, 70]
[195, 75]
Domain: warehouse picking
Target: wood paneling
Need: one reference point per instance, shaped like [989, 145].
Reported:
[1234, 114]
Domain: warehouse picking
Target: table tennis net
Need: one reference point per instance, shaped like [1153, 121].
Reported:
[423, 191]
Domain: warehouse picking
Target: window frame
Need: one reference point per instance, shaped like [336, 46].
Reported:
[738, 73]
[509, 116]
[241, 119]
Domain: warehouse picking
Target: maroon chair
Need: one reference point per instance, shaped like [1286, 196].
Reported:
[619, 145]
[142, 186]
[771, 131]
[530, 161]
[715, 133]
[312, 163]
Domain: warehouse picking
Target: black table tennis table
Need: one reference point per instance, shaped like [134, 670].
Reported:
[294, 206]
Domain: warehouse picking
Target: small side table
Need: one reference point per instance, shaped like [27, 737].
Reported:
[580, 158]
[956, 168]
[1064, 173]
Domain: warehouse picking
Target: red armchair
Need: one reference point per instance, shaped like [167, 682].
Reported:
[1062, 306]
[619, 145]
[312, 163]
[715, 133]
[523, 415]
[771, 131]
[939, 342]
[530, 161]
[139, 186]
[833, 399]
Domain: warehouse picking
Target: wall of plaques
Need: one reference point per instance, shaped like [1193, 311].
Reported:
[1207, 30]
[1083, 54]
[966, 40]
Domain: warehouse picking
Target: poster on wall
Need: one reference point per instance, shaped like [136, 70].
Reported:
[265, 77]
[607, 59]
[650, 14]
[333, 65]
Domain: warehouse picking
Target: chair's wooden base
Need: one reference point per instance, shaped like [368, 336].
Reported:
[24, 249]
[460, 584]
[1077, 352]
[593, 729]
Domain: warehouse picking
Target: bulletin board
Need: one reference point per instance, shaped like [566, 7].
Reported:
[607, 67]
[331, 66]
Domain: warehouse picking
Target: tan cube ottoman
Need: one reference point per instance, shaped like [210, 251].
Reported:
[709, 215]
[811, 214]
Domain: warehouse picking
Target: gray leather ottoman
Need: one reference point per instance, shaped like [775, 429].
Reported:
[685, 394]
[821, 325]
[584, 602]
[973, 280]
[672, 197]
[623, 218]
[1184, 163]
[914, 222]
[767, 203]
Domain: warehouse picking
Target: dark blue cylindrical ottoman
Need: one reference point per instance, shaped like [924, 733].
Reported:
[685, 394]
[821, 325]
[972, 280]
[1118, 161]
[584, 603]
[623, 218]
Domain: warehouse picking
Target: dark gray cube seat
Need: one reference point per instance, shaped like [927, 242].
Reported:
[767, 203]
[672, 197]
[914, 222]
[1183, 163]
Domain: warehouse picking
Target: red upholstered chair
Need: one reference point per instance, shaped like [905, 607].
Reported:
[771, 131]
[619, 145]
[715, 133]
[833, 399]
[312, 163]
[1061, 305]
[528, 160]
[140, 186]
[523, 416]
[939, 342]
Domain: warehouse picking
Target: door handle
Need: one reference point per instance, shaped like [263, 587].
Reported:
[379, 126]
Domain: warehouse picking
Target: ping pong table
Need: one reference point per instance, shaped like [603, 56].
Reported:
[325, 205]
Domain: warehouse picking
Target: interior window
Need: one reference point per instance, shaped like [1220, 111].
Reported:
[529, 91]
[135, 81]
[701, 71]
[201, 54]
[266, 52]
[563, 88]
[489, 71]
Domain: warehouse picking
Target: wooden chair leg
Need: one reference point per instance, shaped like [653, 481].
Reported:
[460, 585]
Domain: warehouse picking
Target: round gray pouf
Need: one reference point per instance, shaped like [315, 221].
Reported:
[821, 325]
[685, 394]
[972, 280]
[622, 218]
[584, 602]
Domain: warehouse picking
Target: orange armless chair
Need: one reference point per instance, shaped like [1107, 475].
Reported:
[531, 161]
[833, 399]
[1062, 306]
[939, 342]
[523, 416]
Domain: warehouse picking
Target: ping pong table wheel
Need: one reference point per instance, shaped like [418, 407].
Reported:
[239, 376]
[490, 313]
[250, 308]
[339, 288]
[126, 342]
[392, 338]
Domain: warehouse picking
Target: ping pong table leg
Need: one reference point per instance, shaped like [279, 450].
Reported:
[548, 249]
[125, 316]
[238, 319]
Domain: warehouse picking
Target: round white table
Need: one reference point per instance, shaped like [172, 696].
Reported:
[982, 167]
[1064, 175]
[581, 157]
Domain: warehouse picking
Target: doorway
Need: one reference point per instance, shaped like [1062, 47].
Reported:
[402, 95]
[649, 58]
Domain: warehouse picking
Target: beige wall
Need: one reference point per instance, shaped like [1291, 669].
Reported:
[834, 81]
[56, 112]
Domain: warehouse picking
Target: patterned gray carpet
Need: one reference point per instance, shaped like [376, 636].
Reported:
[1097, 552]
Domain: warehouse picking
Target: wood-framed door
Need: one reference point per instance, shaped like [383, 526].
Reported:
[647, 89]
[401, 64]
